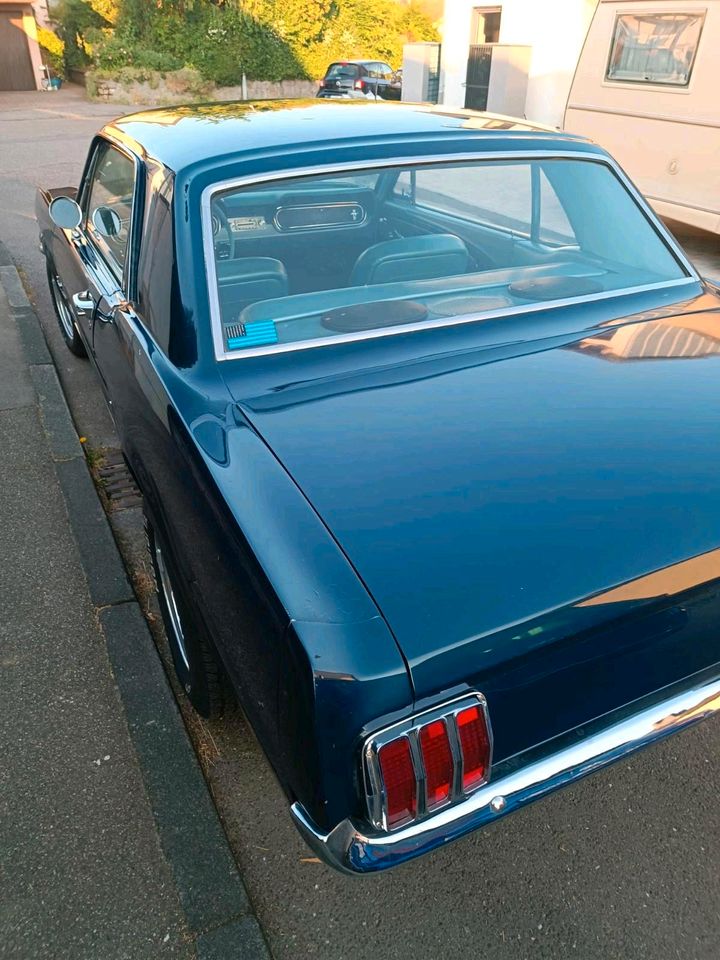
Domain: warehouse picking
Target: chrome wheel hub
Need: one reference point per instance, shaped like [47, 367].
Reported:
[68, 324]
[169, 595]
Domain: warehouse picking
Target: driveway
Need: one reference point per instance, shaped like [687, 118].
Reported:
[623, 865]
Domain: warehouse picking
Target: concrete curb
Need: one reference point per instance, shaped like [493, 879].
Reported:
[209, 885]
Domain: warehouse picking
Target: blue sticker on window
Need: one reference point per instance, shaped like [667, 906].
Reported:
[259, 333]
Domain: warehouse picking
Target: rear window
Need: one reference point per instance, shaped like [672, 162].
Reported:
[337, 71]
[304, 261]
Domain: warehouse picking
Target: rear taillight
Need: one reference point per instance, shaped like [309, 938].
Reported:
[438, 762]
[474, 745]
[359, 84]
[415, 767]
[398, 773]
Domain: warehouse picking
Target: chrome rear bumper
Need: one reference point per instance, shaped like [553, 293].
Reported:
[354, 848]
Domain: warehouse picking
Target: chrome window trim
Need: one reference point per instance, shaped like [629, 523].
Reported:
[410, 728]
[124, 273]
[209, 192]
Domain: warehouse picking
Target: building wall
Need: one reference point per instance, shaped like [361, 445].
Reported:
[42, 13]
[555, 29]
[24, 11]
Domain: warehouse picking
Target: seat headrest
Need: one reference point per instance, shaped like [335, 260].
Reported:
[243, 269]
[411, 258]
[247, 280]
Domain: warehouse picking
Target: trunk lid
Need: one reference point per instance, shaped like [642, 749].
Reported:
[495, 507]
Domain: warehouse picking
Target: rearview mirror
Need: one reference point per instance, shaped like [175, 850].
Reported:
[106, 221]
[65, 213]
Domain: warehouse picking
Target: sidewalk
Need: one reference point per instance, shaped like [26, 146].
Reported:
[110, 847]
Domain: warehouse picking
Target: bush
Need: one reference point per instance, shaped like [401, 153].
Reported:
[114, 51]
[75, 18]
[53, 49]
[263, 39]
[188, 81]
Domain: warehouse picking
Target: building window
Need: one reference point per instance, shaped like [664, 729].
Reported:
[485, 25]
[655, 48]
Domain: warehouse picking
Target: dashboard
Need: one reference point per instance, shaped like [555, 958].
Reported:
[264, 214]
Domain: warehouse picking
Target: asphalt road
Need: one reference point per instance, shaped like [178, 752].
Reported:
[623, 865]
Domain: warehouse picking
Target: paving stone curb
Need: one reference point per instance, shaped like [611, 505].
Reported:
[209, 885]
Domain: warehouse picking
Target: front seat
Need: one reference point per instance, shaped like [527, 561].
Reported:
[411, 258]
[247, 280]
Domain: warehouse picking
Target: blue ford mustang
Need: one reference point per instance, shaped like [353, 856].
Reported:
[423, 407]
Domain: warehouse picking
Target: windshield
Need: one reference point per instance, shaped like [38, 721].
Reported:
[308, 260]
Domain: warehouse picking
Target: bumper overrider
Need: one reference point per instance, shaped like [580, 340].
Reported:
[356, 847]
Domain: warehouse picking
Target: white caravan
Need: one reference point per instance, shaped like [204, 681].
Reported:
[647, 87]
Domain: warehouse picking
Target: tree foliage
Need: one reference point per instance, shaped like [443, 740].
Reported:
[264, 39]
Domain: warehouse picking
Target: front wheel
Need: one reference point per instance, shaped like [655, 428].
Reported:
[196, 664]
[65, 319]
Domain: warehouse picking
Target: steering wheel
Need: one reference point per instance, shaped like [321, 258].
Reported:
[222, 234]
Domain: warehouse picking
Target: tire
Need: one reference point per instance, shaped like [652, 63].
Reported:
[65, 319]
[197, 666]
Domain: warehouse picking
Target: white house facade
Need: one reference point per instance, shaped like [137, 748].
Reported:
[523, 51]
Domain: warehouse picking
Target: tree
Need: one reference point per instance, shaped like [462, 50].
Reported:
[299, 22]
[264, 39]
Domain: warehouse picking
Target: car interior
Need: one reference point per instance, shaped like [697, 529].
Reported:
[318, 257]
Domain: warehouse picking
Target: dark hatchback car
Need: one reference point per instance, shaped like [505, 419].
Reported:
[423, 408]
[356, 79]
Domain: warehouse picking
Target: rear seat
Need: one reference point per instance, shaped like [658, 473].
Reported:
[313, 304]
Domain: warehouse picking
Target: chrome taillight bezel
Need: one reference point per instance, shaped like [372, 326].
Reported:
[410, 728]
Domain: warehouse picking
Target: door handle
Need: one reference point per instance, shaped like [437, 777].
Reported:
[83, 301]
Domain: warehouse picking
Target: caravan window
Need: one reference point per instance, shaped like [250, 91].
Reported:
[655, 48]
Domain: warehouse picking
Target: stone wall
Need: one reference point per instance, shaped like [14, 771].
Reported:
[159, 90]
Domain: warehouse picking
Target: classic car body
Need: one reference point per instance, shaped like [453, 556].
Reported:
[450, 560]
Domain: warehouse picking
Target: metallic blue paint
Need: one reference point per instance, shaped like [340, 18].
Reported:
[521, 506]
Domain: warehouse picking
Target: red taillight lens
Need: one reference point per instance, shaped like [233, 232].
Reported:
[398, 776]
[359, 85]
[475, 746]
[418, 771]
[438, 761]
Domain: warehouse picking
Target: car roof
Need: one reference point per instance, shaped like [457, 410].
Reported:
[181, 137]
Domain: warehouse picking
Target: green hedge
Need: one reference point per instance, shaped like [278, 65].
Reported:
[264, 39]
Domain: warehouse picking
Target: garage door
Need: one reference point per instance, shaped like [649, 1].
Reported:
[16, 71]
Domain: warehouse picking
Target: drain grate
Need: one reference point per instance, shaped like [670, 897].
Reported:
[117, 482]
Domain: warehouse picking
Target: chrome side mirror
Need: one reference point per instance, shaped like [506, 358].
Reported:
[106, 221]
[65, 213]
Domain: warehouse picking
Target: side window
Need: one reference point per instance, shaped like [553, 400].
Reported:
[386, 71]
[109, 204]
[654, 48]
[554, 228]
[497, 194]
[404, 188]
[155, 272]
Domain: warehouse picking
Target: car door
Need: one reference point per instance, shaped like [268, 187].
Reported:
[86, 278]
[373, 83]
[112, 201]
[385, 73]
